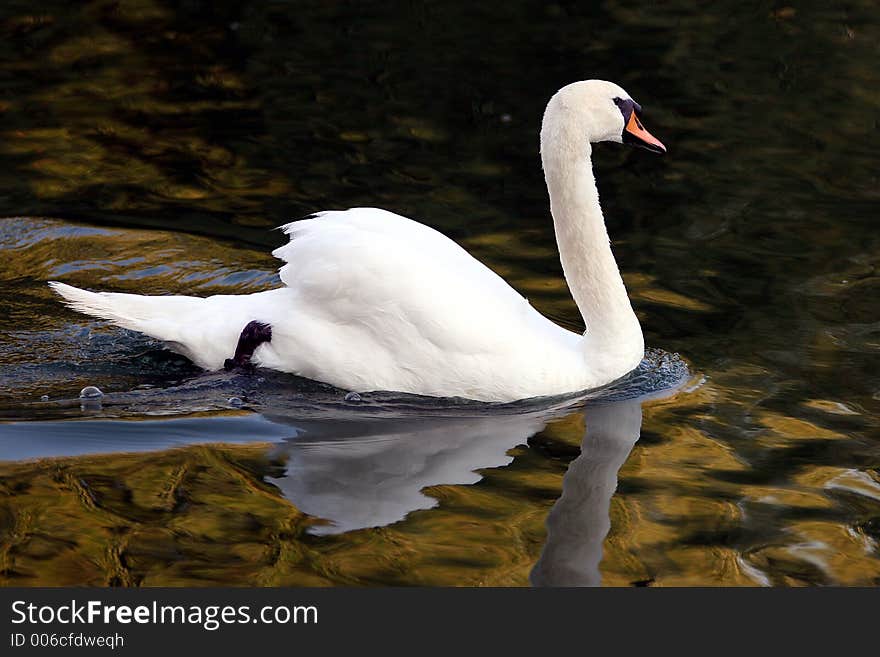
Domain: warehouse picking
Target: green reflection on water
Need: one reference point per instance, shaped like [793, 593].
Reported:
[751, 248]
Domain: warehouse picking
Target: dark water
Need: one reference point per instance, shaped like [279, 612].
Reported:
[150, 147]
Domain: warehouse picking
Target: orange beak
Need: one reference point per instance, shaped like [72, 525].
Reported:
[636, 135]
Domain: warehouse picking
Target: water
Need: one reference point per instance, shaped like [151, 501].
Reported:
[151, 148]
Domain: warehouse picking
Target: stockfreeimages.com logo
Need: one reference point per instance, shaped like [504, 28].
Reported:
[209, 617]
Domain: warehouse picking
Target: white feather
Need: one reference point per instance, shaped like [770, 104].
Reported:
[376, 301]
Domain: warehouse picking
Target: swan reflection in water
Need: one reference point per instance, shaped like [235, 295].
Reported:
[359, 473]
[580, 520]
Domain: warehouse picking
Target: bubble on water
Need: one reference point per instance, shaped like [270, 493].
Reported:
[90, 398]
[90, 392]
[352, 397]
[235, 401]
[44, 398]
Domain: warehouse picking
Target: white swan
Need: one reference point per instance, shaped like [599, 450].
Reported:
[375, 301]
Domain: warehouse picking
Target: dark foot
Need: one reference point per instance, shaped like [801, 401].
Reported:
[252, 336]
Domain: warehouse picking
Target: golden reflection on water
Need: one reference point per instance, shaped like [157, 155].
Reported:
[211, 515]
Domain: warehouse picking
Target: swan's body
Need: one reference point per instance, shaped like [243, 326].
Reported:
[375, 301]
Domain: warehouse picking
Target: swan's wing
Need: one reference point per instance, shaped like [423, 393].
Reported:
[400, 279]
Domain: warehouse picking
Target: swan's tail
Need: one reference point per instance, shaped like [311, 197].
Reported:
[145, 314]
[167, 318]
[207, 330]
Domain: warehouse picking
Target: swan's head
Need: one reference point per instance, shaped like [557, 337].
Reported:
[592, 111]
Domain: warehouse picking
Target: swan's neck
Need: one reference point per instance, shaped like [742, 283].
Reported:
[613, 333]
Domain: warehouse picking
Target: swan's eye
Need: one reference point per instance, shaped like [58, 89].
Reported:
[626, 107]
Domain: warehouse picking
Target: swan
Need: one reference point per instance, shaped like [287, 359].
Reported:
[375, 301]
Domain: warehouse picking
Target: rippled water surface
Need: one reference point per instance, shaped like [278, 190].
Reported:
[152, 146]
